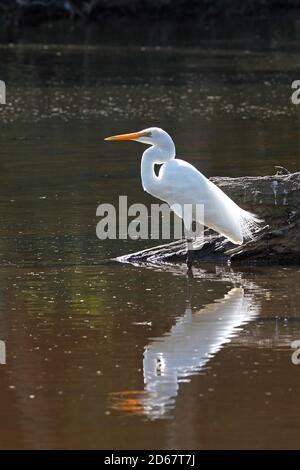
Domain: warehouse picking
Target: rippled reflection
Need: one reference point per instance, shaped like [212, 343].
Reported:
[186, 349]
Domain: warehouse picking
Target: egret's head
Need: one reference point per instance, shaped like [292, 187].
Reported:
[150, 136]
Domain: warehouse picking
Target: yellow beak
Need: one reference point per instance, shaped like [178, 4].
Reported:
[132, 136]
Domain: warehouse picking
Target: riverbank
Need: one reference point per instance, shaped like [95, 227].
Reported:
[33, 12]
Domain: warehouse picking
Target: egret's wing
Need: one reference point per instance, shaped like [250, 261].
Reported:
[184, 184]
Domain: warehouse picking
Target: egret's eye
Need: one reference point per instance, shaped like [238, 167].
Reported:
[147, 134]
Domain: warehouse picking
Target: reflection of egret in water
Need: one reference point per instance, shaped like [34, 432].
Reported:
[184, 351]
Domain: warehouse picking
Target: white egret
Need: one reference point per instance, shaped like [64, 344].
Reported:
[179, 183]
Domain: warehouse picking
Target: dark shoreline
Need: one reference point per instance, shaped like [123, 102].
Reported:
[33, 12]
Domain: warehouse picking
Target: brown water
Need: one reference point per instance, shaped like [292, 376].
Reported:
[105, 355]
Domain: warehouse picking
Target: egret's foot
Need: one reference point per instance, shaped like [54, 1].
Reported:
[190, 256]
[189, 262]
[190, 272]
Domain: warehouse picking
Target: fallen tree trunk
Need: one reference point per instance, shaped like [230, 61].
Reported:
[275, 198]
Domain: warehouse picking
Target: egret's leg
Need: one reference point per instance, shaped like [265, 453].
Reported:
[190, 255]
[188, 223]
[189, 286]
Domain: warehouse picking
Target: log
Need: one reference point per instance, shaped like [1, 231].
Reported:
[276, 199]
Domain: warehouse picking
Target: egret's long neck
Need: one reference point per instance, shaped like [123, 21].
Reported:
[151, 157]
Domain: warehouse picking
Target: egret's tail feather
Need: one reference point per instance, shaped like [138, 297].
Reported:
[250, 224]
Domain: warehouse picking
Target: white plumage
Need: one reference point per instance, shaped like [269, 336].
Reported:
[186, 185]
[179, 183]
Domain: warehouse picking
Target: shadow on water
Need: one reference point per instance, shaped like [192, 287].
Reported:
[186, 349]
[232, 355]
[123, 347]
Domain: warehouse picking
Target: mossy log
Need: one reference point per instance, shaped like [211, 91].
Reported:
[276, 199]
